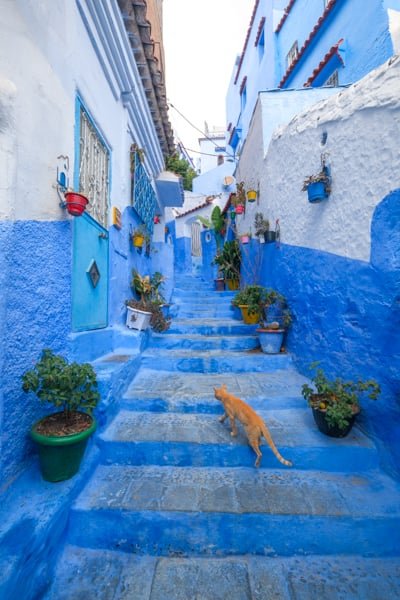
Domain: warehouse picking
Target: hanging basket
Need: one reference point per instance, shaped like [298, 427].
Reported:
[239, 210]
[75, 203]
[317, 192]
[138, 240]
[251, 195]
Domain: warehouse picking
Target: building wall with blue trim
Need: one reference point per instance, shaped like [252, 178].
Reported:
[367, 43]
[37, 125]
[338, 260]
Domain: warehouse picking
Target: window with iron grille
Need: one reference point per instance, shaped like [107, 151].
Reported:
[292, 54]
[333, 80]
[94, 164]
[144, 199]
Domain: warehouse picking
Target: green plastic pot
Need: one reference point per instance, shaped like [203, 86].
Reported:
[60, 457]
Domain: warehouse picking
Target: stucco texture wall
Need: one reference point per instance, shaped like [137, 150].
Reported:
[338, 263]
[35, 314]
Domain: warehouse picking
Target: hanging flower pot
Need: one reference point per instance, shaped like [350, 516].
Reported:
[245, 239]
[138, 240]
[75, 203]
[239, 209]
[317, 192]
[251, 195]
[156, 219]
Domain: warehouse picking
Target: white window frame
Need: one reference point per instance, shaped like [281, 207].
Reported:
[292, 54]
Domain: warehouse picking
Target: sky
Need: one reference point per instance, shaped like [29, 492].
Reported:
[201, 41]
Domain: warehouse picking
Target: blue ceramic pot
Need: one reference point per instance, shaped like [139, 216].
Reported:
[271, 340]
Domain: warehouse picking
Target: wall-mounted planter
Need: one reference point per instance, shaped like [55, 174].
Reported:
[239, 210]
[138, 240]
[271, 340]
[245, 239]
[251, 195]
[269, 237]
[137, 319]
[317, 192]
[75, 203]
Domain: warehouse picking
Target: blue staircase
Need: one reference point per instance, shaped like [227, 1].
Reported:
[176, 510]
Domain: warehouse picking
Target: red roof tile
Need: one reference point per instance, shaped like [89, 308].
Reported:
[246, 40]
[285, 14]
[324, 62]
[259, 31]
[209, 200]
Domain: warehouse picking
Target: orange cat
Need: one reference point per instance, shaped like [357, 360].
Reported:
[253, 424]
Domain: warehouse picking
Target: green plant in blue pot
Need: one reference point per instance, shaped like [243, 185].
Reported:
[62, 436]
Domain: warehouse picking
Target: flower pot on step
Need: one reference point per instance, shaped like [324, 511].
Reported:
[137, 319]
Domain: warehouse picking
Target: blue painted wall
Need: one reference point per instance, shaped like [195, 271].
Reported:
[35, 314]
[366, 46]
[347, 315]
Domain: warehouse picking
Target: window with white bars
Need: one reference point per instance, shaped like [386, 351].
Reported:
[292, 54]
[94, 163]
[333, 80]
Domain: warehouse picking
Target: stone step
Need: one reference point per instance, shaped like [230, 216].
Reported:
[197, 294]
[207, 312]
[124, 576]
[228, 511]
[145, 438]
[202, 342]
[210, 326]
[157, 390]
[215, 361]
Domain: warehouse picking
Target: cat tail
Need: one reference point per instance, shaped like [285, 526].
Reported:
[274, 449]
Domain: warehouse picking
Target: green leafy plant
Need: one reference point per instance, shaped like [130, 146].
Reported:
[229, 259]
[148, 287]
[338, 399]
[261, 225]
[252, 296]
[216, 223]
[321, 177]
[69, 386]
[282, 316]
[181, 167]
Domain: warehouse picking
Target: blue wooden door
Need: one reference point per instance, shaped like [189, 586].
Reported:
[90, 275]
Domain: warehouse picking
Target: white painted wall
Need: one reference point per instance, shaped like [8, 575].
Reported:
[363, 127]
[8, 149]
[47, 55]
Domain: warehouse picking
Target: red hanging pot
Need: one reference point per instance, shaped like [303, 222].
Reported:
[239, 209]
[75, 203]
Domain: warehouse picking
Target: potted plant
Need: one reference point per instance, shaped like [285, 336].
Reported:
[138, 236]
[216, 223]
[154, 316]
[143, 313]
[228, 260]
[251, 195]
[238, 200]
[262, 229]
[335, 403]
[62, 436]
[251, 301]
[318, 187]
[245, 237]
[276, 322]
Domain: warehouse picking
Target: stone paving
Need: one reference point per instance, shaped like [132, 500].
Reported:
[176, 510]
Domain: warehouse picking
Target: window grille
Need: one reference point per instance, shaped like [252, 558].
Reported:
[333, 80]
[94, 164]
[292, 54]
[196, 239]
[144, 199]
